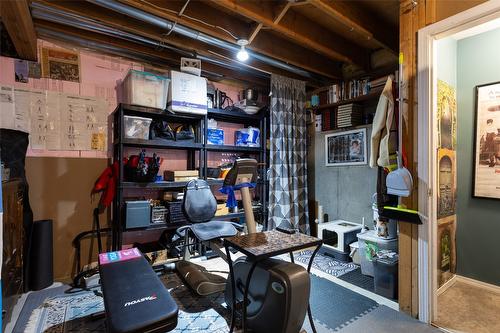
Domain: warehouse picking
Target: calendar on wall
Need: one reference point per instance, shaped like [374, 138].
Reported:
[55, 121]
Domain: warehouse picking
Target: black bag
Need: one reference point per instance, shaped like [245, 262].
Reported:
[199, 203]
[161, 130]
[184, 132]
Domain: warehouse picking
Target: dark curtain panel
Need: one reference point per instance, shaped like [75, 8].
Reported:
[288, 160]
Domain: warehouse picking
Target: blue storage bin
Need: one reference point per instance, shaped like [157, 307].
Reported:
[215, 136]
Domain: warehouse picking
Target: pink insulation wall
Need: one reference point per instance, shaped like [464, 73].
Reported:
[61, 181]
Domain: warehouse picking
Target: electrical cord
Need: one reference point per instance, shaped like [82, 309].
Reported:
[181, 14]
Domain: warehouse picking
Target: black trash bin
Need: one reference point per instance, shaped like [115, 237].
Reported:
[386, 277]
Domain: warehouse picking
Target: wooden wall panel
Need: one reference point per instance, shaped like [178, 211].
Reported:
[415, 15]
[60, 190]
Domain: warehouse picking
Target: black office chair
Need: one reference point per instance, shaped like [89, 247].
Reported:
[199, 206]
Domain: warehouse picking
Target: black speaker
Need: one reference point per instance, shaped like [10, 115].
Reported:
[41, 272]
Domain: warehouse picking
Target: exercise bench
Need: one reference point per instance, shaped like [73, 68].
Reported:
[135, 299]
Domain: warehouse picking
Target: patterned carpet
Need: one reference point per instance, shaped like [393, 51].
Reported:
[325, 263]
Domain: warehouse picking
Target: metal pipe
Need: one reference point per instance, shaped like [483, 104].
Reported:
[118, 51]
[57, 16]
[193, 34]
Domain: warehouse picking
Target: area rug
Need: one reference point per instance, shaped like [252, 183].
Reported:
[67, 313]
[325, 263]
[333, 307]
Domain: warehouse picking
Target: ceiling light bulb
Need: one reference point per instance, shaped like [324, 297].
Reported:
[242, 54]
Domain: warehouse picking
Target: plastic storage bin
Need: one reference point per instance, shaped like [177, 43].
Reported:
[354, 254]
[145, 89]
[136, 127]
[386, 277]
[137, 214]
[369, 245]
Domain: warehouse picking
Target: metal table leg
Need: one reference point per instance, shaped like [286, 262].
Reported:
[309, 314]
[233, 289]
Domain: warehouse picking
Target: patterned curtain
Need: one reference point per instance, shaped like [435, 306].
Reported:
[288, 160]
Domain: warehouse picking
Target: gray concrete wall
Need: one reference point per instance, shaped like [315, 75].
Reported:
[344, 192]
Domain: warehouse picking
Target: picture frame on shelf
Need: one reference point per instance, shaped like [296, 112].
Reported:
[487, 142]
[346, 148]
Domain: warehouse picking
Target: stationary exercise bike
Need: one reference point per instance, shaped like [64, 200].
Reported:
[278, 292]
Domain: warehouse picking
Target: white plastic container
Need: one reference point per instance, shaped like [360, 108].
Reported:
[354, 254]
[187, 94]
[136, 127]
[369, 244]
[145, 89]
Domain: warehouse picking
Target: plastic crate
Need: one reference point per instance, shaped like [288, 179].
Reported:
[145, 89]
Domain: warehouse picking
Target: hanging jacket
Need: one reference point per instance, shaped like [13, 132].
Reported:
[382, 143]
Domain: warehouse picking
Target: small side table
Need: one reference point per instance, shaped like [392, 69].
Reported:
[260, 246]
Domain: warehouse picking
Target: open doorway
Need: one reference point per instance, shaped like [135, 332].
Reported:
[459, 170]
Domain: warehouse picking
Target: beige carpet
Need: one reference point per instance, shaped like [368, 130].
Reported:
[469, 309]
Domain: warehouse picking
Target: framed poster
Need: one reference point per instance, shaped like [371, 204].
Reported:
[487, 142]
[346, 148]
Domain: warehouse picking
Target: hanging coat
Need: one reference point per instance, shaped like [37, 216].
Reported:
[382, 142]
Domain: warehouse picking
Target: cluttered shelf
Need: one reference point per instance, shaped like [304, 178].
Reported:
[155, 113]
[160, 144]
[233, 148]
[234, 116]
[373, 94]
[164, 184]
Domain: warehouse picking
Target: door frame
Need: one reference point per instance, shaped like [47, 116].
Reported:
[427, 145]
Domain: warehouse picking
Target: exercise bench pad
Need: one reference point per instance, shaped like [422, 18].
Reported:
[135, 299]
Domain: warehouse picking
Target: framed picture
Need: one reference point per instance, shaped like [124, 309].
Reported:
[487, 142]
[346, 148]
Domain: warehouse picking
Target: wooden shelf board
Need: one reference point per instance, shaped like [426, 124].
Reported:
[374, 93]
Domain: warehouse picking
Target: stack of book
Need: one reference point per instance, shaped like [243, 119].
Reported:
[349, 115]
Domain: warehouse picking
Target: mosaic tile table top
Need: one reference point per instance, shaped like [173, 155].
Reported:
[271, 243]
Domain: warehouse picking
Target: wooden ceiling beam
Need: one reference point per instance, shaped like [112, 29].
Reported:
[301, 30]
[16, 18]
[360, 22]
[294, 55]
[169, 58]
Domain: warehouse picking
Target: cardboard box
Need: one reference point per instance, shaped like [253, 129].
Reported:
[187, 93]
[180, 175]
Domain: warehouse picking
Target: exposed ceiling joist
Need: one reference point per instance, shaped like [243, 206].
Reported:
[127, 24]
[359, 22]
[162, 57]
[17, 20]
[299, 29]
[294, 55]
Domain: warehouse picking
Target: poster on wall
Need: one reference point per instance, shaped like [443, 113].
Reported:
[487, 142]
[60, 64]
[447, 115]
[447, 138]
[346, 148]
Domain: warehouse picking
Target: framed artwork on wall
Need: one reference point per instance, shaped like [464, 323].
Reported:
[487, 142]
[346, 148]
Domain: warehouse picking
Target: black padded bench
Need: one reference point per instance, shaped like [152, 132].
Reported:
[135, 300]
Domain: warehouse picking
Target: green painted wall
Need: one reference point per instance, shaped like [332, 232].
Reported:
[478, 229]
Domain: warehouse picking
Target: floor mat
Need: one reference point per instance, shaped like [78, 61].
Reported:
[386, 320]
[356, 278]
[66, 313]
[325, 263]
[34, 300]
